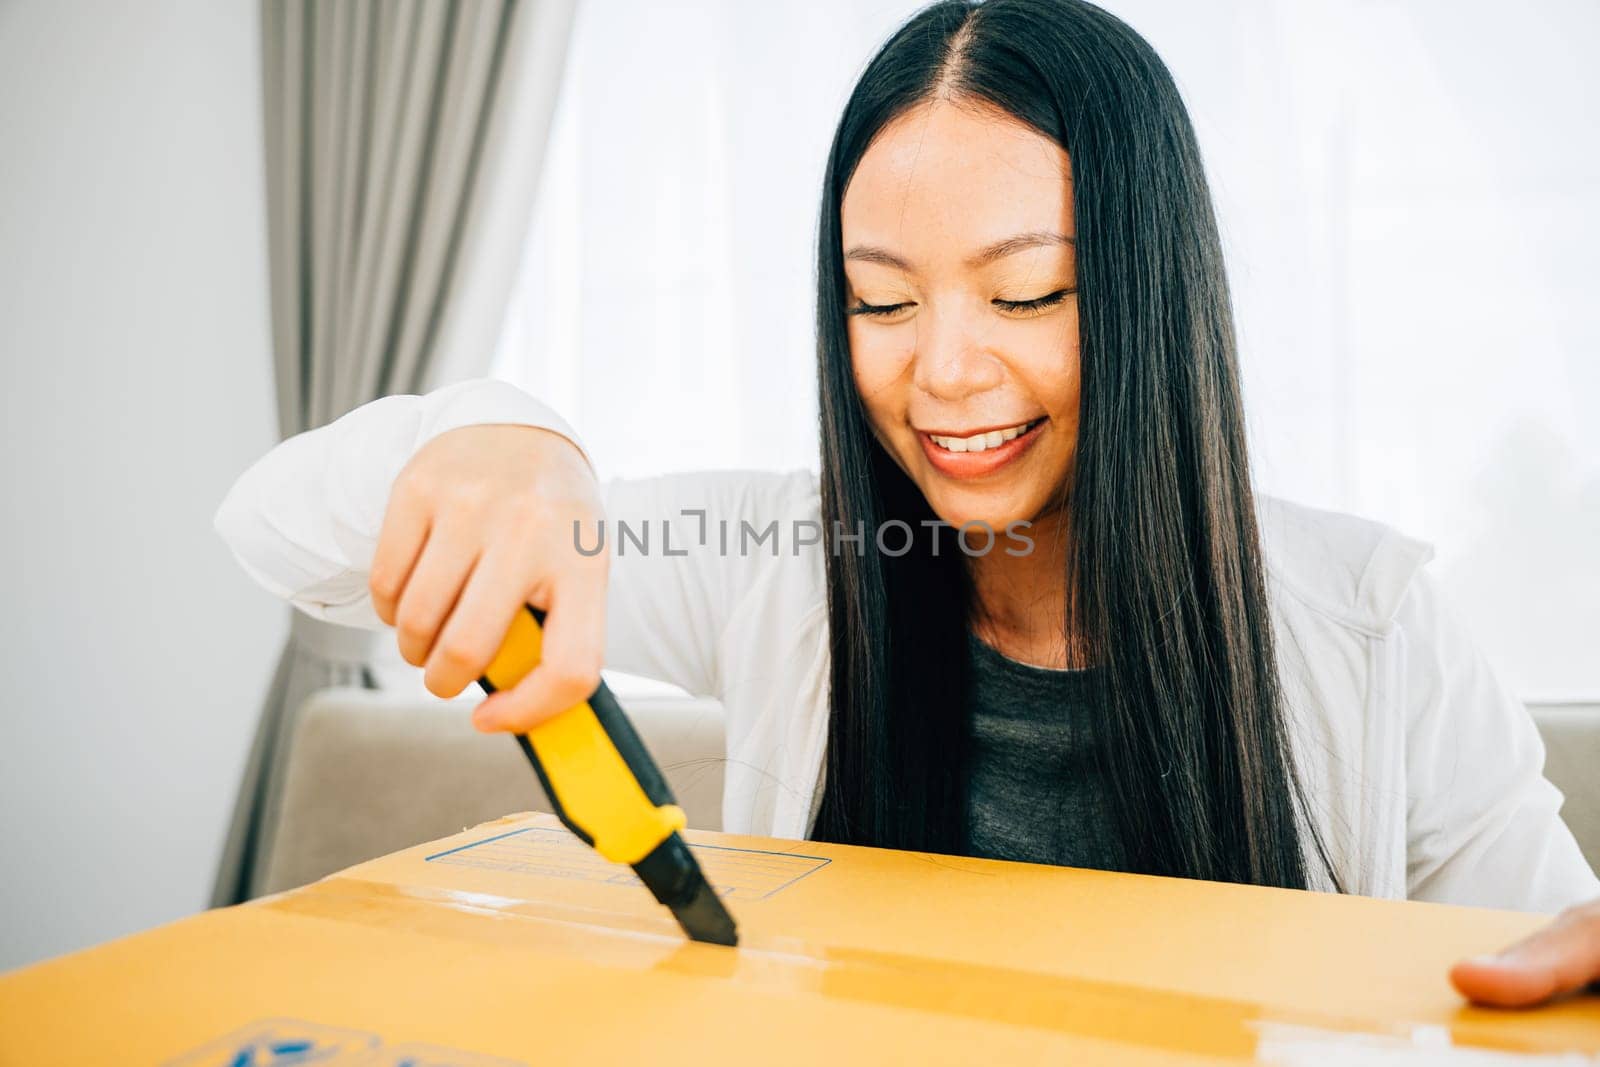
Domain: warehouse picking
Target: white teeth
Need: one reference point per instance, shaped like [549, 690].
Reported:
[980, 442]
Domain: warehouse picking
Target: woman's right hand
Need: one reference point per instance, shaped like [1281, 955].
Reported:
[478, 523]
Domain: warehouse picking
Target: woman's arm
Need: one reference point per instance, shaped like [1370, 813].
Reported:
[1483, 822]
[308, 519]
[304, 519]
[686, 549]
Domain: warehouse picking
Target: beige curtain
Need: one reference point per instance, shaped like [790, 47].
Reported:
[403, 146]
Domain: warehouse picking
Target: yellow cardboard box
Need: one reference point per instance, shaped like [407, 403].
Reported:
[513, 943]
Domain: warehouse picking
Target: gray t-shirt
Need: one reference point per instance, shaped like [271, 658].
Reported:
[1033, 791]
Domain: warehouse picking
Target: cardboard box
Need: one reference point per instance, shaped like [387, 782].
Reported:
[513, 943]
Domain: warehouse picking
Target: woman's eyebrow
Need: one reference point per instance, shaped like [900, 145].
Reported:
[988, 254]
[1021, 242]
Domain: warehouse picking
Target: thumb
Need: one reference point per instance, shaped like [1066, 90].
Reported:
[571, 650]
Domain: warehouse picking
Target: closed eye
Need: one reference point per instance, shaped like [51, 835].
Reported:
[1036, 304]
[877, 309]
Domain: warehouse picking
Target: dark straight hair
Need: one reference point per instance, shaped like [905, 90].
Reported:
[1166, 590]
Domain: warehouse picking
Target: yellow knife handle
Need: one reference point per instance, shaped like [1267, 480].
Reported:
[598, 774]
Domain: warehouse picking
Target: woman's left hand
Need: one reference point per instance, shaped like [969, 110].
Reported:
[1561, 958]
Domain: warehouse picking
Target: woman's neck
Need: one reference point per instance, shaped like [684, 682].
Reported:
[1020, 602]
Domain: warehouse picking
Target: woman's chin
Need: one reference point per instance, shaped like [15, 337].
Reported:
[977, 508]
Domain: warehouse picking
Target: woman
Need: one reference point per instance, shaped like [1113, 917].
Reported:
[1023, 327]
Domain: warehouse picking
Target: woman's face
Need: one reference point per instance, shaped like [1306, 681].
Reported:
[957, 229]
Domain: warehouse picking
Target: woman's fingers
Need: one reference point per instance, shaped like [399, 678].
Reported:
[435, 584]
[472, 635]
[400, 540]
[571, 654]
[1561, 958]
[478, 523]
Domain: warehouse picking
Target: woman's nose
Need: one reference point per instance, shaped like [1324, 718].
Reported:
[952, 360]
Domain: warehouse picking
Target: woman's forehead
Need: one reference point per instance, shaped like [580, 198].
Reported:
[946, 179]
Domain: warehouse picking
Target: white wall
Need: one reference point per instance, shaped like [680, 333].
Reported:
[134, 332]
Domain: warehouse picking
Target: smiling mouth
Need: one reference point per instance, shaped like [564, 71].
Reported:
[982, 442]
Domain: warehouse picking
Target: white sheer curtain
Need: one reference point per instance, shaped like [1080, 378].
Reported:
[1410, 198]
[667, 299]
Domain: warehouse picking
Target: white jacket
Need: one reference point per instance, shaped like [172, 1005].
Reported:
[1424, 773]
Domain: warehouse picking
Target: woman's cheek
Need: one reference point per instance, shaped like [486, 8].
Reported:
[878, 363]
[1047, 361]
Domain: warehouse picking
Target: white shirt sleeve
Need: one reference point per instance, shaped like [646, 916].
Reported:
[303, 521]
[1483, 823]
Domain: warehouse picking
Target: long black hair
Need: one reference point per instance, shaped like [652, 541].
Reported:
[1166, 589]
